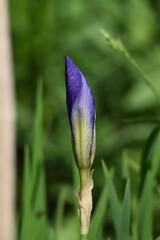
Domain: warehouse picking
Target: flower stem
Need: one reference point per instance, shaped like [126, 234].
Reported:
[84, 194]
[83, 237]
[84, 174]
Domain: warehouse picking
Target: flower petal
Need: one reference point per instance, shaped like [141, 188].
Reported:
[73, 83]
[78, 90]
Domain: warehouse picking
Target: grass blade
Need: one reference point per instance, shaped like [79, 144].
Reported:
[60, 212]
[118, 46]
[34, 222]
[150, 155]
[28, 230]
[38, 172]
[37, 134]
[156, 155]
[145, 210]
[125, 165]
[40, 206]
[124, 228]
[97, 219]
[115, 204]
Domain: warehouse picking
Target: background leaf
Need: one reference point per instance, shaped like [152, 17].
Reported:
[150, 156]
[145, 209]
[124, 227]
[98, 216]
[114, 202]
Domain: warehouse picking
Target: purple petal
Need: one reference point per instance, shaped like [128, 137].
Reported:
[78, 91]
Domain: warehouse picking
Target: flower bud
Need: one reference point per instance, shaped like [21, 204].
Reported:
[81, 113]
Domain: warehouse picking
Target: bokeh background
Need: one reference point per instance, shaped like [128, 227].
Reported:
[42, 33]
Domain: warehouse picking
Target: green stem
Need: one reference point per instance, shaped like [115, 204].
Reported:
[83, 237]
[84, 174]
[119, 47]
[145, 78]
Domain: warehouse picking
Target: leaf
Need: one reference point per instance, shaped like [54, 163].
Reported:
[40, 200]
[124, 227]
[28, 228]
[39, 205]
[158, 238]
[150, 155]
[60, 212]
[38, 180]
[145, 209]
[118, 46]
[97, 219]
[37, 134]
[156, 155]
[115, 205]
[125, 167]
[18, 232]
[34, 222]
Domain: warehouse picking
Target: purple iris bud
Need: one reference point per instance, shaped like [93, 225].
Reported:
[81, 113]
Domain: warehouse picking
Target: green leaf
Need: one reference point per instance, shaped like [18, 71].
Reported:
[156, 155]
[124, 227]
[97, 218]
[145, 209]
[125, 167]
[158, 238]
[150, 157]
[28, 228]
[118, 46]
[34, 222]
[18, 232]
[115, 204]
[38, 180]
[37, 134]
[40, 210]
[60, 212]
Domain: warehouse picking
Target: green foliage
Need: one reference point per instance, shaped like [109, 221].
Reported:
[116, 209]
[120, 215]
[34, 220]
[145, 210]
[124, 225]
[33, 223]
[99, 216]
[118, 46]
[158, 238]
[128, 137]
[151, 155]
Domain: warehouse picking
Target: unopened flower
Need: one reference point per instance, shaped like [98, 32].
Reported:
[81, 113]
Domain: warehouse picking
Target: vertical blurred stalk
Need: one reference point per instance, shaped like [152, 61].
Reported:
[7, 129]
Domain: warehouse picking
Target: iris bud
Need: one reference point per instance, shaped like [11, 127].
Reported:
[81, 114]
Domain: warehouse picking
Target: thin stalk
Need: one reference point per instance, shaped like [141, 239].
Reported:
[83, 237]
[118, 46]
[84, 195]
[145, 78]
[84, 174]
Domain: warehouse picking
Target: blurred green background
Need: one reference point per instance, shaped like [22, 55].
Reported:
[43, 32]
